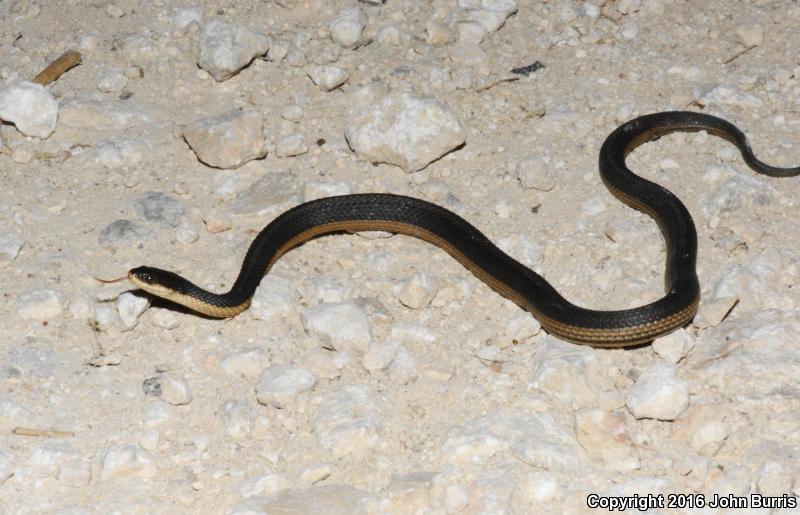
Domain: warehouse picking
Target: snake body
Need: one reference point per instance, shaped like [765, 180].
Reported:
[450, 232]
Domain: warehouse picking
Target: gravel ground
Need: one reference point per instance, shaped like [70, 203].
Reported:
[373, 374]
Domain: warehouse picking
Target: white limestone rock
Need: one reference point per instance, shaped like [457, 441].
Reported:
[658, 393]
[31, 107]
[224, 49]
[130, 307]
[491, 14]
[342, 324]
[404, 129]
[228, 140]
[280, 384]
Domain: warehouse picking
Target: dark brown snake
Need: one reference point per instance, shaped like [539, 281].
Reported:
[445, 229]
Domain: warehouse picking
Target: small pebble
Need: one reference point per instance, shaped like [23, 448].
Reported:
[165, 319]
[155, 206]
[502, 209]
[535, 173]
[291, 145]
[708, 438]
[124, 231]
[118, 460]
[6, 468]
[114, 11]
[593, 207]
[346, 30]
[674, 346]
[105, 317]
[470, 32]
[10, 245]
[264, 485]
[311, 474]
[119, 155]
[170, 389]
[628, 29]
[327, 289]
[325, 364]
[658, 394]
[244, 363]
[403, 368]
[149, 439]
[292, 113]
[279, 385]
[417, 291]
[379, 356]
[39, 305]
[390, 35]
[187, 15]
[750, 34]
[130, 307]
[112, 81]
[187, 233]
[158, 414]
[492, 14]
[437, 33]
[238, 418]
[295, 57]
[328, 77]
[713, 311]
[326, 54]
[489, 353]
[467, 55]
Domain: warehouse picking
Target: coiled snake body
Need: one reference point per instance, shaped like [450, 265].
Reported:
[445, 229]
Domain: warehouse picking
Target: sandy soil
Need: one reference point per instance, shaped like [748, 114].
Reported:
[460, 432]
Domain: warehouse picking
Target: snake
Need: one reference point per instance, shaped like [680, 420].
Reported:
[353, 213]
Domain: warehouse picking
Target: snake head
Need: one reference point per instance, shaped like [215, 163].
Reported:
[142, 274]
[156, 281]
